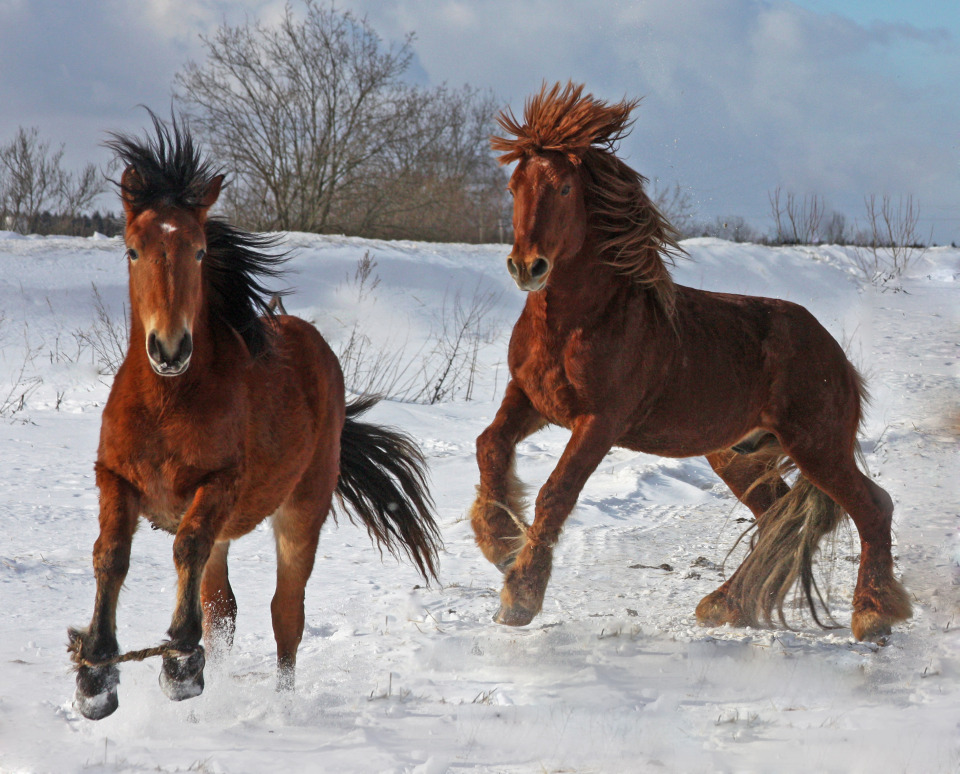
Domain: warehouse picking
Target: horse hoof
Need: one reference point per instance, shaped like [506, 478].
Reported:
[182, 676]
[870, 626]
[514, 616]
[96, 695]
[715, 609]
[286, 680]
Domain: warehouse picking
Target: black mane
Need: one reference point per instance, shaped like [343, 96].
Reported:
[171, 169]
[235, 264]
[172, 172]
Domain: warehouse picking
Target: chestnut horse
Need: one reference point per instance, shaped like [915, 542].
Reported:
[610, 348]
[223, 414]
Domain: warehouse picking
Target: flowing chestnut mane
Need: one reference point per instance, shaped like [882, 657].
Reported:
[633, 234]
[171, 172]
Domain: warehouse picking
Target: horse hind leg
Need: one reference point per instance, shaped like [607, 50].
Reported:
[296, 527]
[879, 599]
[751, 473]
[218, 600]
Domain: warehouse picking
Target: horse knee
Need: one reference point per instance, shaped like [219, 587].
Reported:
[490, 448]
[191, 549]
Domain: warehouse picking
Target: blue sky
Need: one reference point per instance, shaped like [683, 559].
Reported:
[840, 99]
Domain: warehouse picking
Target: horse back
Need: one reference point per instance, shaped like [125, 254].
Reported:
[721, 366]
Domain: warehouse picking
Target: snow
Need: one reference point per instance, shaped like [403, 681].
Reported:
[613, 676]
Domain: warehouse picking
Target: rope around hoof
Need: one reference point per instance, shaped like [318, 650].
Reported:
[523, 526]
[133, 655]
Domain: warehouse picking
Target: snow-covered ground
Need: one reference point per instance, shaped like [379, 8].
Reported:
[613, 676]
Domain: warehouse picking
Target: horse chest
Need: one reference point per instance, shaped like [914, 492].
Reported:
[551, 375]
[165, 457]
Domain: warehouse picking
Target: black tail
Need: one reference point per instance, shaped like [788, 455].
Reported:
[383, 480]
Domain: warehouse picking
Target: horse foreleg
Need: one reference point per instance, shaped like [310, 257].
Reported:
[526, 581]
[218, 600]
[497, 514]
[182, 674]
[96, 695]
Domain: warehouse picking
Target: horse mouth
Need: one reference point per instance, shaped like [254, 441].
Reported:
[169, 369]
[531, 285]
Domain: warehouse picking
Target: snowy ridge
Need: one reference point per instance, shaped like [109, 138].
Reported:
[613, 676]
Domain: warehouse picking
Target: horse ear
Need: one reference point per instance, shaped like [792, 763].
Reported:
[130, 184]
[212, 193]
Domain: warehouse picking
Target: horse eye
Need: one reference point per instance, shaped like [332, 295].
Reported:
[132, 254]
[565, 190]
[200, 254]
[510, 191]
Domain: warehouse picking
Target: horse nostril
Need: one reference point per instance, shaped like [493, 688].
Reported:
[186, 348]
[153, 347]
[540, 267]
[512, 267]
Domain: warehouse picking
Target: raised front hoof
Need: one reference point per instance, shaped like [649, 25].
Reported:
[715, 609]
[96, 695]
[515, 615]
[182, 676]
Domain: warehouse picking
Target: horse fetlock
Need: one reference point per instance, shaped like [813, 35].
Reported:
[96, 694]
[181, 676]
[286, 675]
[499, 534]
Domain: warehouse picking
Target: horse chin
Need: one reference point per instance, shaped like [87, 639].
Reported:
[167, 370]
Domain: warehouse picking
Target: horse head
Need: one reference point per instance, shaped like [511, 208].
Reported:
[166, 245]
[549, 217]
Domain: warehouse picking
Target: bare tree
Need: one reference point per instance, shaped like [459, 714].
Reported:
[438, 179]
[891, 241]
[796, 219]
[834, 230]
[35, 189]
[321, 133]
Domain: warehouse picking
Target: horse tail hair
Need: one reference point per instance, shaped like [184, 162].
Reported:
[383, 481]
[784, 546]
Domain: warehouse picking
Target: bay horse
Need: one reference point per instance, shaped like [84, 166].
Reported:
[608, 346]
[221, 415]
